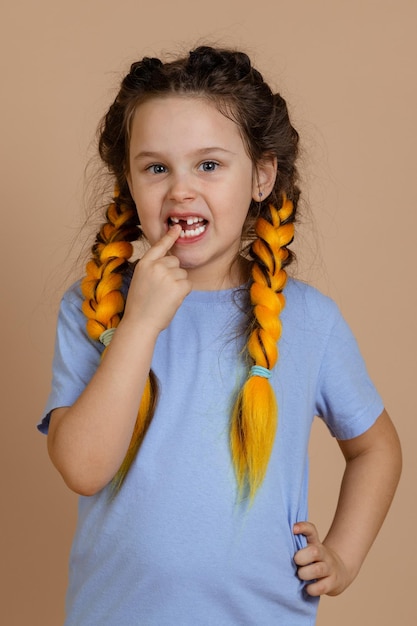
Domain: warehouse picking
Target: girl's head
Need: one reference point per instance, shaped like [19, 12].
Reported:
[222, 87]
[227, 80]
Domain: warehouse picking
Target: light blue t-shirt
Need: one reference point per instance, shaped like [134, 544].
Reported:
[176, 547]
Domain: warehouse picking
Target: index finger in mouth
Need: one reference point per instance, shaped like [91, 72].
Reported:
[164, 245]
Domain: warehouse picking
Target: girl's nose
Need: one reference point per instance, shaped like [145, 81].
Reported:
[182, 188]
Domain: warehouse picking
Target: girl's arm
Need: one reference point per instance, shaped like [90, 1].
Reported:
[87, 442]
[373, 467]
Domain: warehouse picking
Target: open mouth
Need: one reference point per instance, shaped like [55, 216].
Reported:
[191, 226]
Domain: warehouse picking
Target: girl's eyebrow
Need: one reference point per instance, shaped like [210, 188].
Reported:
[201, 151]
[213, 149]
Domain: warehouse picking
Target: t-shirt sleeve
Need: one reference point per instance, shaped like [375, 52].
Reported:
[347, 399]
[76, 356]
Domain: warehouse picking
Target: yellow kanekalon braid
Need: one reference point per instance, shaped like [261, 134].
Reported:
[104, 305]
[254, 419]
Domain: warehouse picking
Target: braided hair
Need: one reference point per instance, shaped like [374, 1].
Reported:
[227, 79]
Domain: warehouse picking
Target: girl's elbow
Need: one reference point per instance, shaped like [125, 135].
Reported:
[397, 458]
[82, 487]
[82, 473]
[82, 480]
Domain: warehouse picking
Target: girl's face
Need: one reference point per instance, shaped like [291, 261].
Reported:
[188, 165]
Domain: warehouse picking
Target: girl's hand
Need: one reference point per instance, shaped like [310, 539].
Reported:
[319, 564]
[159, 285]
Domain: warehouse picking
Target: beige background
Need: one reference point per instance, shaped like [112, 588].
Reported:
[347, 68]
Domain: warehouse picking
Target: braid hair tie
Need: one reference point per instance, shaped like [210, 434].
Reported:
[106, 336]
[258, 370]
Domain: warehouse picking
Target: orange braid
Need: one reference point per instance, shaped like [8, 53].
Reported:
[254, 419]
[104, 305]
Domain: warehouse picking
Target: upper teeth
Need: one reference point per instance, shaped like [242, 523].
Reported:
[189, 220]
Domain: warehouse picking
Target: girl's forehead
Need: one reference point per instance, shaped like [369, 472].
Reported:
[184, 118]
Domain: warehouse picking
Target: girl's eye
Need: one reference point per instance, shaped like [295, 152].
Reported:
[209, 166]
[157, 168]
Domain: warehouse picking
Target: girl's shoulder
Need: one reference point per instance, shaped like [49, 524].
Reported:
[302, 298]
[73, 294]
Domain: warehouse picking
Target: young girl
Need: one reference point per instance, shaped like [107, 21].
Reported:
[193, 505]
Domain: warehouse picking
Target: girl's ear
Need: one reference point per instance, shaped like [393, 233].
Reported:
[264, 177]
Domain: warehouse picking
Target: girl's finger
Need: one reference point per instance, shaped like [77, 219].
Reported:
[164, 245]
[308, 530]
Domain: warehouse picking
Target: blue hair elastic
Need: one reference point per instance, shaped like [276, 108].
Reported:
[258, 370]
